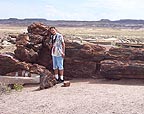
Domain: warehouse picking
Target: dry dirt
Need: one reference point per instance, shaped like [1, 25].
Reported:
[84, 96]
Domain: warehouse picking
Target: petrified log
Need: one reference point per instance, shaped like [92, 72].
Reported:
[46, 81]
[82, 60]
[122, 69]
[9, 64]
[88, 52]
[38, 29]
[22, 39]
[125, 54]
[25, 54]
[79, 68]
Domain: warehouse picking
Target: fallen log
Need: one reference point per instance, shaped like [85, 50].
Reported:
[122, 69]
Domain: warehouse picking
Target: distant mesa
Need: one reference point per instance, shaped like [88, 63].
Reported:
[106, 23]
[12, 19]
[105, 20]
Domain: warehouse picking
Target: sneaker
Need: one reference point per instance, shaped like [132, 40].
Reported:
[57, 81]
[61, 81]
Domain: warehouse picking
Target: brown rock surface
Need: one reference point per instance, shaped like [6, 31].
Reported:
[122, 69]
[9, 64]
[81, 61]
[38, 29]
[126, 54]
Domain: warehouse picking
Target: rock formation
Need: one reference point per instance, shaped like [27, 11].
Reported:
[82, 61]
[123, 63]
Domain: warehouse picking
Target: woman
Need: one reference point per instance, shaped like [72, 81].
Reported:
[58, 52]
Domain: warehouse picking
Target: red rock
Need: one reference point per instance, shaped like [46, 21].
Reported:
[122, 69]
[9, 64]
[126, 54]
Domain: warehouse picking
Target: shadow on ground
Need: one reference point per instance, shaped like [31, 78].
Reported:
[134, 82]
[127, 82]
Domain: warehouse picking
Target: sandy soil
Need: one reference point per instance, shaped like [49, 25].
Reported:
[84, 96]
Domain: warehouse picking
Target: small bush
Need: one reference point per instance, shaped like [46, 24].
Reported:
[18, 87]
[4, 88]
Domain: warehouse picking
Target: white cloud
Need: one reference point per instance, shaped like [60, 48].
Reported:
[116, 9]
[73, 10]
[116, 4]
[57, 14]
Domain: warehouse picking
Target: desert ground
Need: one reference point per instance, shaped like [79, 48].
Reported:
[84, 96]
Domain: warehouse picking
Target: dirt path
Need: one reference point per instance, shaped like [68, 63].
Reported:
[85, 96]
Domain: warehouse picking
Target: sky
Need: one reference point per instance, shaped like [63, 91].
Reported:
[84, 10]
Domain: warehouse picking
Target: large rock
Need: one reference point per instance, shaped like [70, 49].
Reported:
[123, 63]
[22, 39]
[9, 64]
[79, 68]
[125, 54]
[122, 69]
[38, 29]
[26, 54]
[32, 46]
[87, 52]
[82, 60]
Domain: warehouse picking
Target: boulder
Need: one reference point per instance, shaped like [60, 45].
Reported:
[47, 80]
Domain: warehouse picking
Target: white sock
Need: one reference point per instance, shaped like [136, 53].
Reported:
[56, 76]
[61, 77]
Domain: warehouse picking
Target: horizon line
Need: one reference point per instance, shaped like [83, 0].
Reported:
[68, 19]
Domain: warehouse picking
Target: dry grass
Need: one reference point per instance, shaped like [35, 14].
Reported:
[85, 32]
[103, 32]
[6, 30]
[81, 34]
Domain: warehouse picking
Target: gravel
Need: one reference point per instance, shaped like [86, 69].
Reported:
[84, 96]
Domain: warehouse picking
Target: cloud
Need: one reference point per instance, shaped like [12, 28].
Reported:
[116, 4]
[58, 14]
[115, 9]
[73, 10]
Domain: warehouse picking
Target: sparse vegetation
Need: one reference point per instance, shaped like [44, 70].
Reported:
[82, 35]
[18, 87]
[4, 89]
